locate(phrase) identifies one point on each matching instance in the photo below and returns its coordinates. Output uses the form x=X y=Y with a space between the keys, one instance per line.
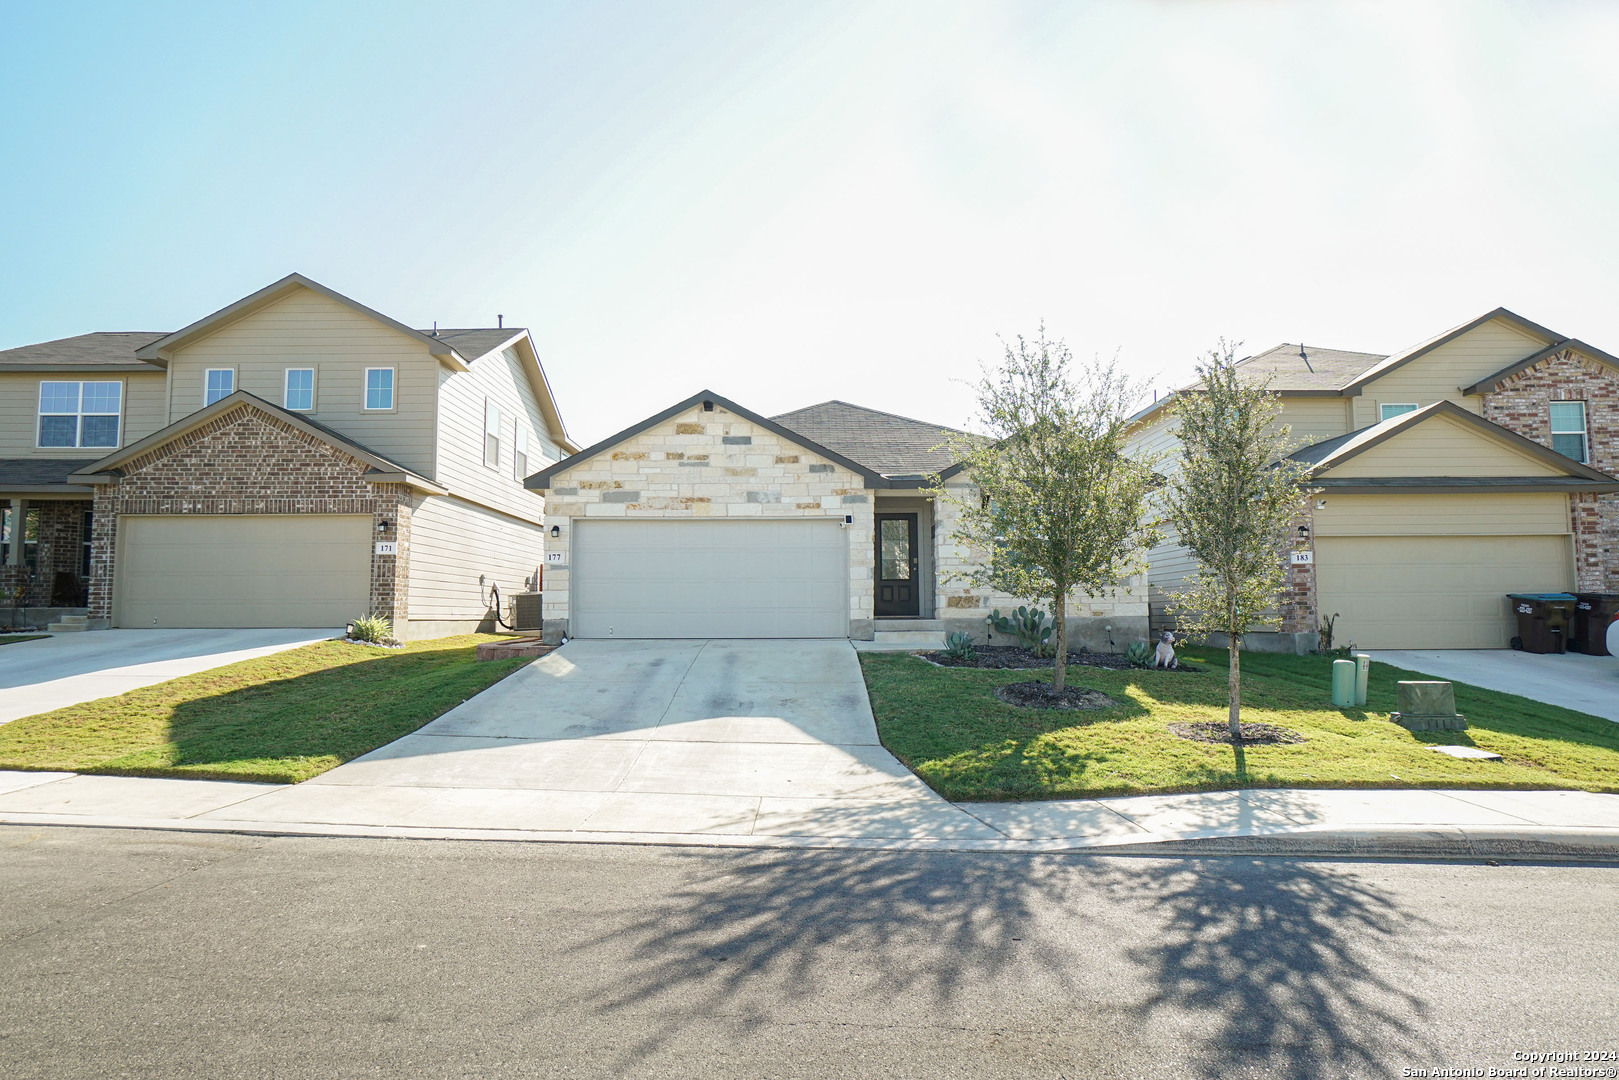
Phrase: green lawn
x=12 y=639
x=278 y=719
x=947 y=725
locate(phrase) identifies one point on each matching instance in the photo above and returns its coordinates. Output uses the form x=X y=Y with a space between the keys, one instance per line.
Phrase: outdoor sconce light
x=383 y=525
x=556 y=530
x=1304 y=531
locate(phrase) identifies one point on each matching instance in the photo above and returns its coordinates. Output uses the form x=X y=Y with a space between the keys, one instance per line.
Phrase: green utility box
x=1343 y=684
x=1363 y=676
x=1427 y=706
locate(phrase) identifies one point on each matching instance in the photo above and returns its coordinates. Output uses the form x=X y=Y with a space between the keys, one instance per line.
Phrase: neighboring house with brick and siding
x=1479 y=463
x=710 y=520
x=294 y=459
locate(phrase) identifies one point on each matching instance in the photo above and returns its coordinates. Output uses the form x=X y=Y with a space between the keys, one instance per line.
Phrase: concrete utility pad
x=1587 y=684
x=67 y=669
x=721 y=737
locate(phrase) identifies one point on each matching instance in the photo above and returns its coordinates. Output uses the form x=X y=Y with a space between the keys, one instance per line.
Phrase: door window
x=896 y=539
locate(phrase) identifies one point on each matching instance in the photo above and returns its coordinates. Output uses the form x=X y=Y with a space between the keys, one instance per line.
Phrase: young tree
x=1234 y=502
x=1055 y=503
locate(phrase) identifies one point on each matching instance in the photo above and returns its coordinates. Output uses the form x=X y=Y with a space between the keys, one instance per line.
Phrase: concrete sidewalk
x=1320 y=821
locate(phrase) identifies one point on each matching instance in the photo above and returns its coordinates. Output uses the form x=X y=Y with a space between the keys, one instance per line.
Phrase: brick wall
x=60 y=535
x=248 y=462
x=1522 y=402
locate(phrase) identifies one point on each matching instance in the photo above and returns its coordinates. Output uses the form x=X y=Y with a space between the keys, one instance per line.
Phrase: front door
x=897 y=594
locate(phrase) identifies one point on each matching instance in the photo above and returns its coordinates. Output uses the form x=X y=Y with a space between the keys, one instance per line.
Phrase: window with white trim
x=80 y=413
x=1389 y=412
x=379 y=388
x=298 y=393
x=520 y=453
x=1568 y=429
x=218 y=383
x=491 y=434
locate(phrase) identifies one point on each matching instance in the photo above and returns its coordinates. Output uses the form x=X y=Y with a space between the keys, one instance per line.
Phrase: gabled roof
x=1400 y=359
x=888 y=444
x=477 y=342
x=383 y=469
x=1491 y=382
x=158 y=352
x=541 y=480
x=86 y=352
x=1324 y=456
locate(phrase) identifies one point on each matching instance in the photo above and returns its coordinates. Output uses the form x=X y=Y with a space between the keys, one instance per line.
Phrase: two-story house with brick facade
x=294 y=459
x=1478 y=463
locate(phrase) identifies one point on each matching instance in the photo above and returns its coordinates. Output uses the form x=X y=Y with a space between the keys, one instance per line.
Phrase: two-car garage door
x=242 y=570
x=696 y=579
x=1434 y=592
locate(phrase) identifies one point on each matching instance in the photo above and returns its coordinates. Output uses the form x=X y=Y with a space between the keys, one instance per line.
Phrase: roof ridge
x=877 y=412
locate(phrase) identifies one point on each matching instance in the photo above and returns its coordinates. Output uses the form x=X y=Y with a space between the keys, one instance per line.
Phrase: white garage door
x=1434 y=592
x=695 y=579
x=254 y=570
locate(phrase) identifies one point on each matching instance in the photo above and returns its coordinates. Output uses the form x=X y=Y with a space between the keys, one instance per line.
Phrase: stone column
x=19 y=524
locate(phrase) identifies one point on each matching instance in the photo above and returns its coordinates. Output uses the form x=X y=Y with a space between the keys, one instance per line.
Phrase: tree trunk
x=1059 y=617
x=1234 y=676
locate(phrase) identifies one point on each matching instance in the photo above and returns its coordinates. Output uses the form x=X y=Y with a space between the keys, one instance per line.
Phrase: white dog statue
x=1164 y=657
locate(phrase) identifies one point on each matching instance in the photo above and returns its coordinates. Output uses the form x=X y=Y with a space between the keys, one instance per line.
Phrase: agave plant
x=1139 y=653
x=959 y=646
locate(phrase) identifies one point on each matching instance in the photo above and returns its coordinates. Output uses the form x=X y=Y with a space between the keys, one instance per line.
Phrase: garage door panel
x=1434 y=592
x=243 y=571
x=686 y=579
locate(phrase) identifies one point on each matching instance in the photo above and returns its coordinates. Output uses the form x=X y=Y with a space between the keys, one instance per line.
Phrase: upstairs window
x=299 y=395
x=1389 y=412
x=520 y=453
x=79 y=413
x=1568 y=429
x=491 y=434
x=379 y=388
x=218 y=383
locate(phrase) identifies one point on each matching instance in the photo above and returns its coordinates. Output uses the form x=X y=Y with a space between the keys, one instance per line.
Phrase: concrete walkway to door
x=756 y=738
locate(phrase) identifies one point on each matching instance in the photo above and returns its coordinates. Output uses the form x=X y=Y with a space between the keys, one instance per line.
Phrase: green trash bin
x=1543 y=621
x=1594 y=612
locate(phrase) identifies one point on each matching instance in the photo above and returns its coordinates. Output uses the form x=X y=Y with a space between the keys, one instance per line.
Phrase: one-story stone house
x=1478 y=463
x=710 y=520
x=293 y=459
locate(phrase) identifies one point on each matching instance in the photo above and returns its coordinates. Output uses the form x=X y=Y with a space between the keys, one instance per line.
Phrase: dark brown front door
x=897 y=593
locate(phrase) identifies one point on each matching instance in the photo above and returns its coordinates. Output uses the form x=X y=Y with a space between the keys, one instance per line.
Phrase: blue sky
x=792 y=202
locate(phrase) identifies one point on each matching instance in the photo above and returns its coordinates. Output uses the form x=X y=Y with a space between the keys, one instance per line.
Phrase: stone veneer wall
x=708 y=464
x=1101 y=623
x=248 y=462
x=1522 y=404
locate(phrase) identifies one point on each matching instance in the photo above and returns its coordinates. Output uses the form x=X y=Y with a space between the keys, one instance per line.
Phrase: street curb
x=1529 y=842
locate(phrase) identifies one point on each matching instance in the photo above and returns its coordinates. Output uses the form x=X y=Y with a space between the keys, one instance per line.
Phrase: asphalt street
x=142 y=954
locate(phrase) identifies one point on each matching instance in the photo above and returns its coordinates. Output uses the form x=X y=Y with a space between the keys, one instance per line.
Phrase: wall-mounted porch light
x=556 y=530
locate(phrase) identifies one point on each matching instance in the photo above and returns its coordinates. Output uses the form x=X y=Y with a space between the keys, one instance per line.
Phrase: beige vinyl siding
x=1441 y=446
x=498 y=377
x=1434 y=515
x=1315 y=419
x=1441 y=374
x=452 y=544
x=19 y=410
x=305 y=329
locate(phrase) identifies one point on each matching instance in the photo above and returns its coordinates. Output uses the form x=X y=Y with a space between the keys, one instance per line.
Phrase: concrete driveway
x=1588 y=684
x=66 y=669
x=644 y=737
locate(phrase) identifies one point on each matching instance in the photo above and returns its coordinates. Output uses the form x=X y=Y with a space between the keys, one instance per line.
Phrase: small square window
x=300 y=389
x=379 y=388
x=1568 y=429
x=218 y=383
x=1389 y=412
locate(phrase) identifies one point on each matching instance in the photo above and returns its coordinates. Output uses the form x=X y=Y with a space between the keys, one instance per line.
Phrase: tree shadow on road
x=1236 y=963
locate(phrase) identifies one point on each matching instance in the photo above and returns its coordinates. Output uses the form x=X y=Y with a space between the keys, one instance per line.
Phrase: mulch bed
x=1017 y=658
x=1218 y=731
x=1039 y=695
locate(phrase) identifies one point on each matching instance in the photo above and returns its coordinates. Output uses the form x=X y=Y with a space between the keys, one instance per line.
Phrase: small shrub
x=374 y=629
x=1028 y=625
x=959 y=646
x=1139 y=654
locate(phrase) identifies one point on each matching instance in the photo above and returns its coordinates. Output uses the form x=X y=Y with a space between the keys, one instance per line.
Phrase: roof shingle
x=887 y=444
x=86 y=350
